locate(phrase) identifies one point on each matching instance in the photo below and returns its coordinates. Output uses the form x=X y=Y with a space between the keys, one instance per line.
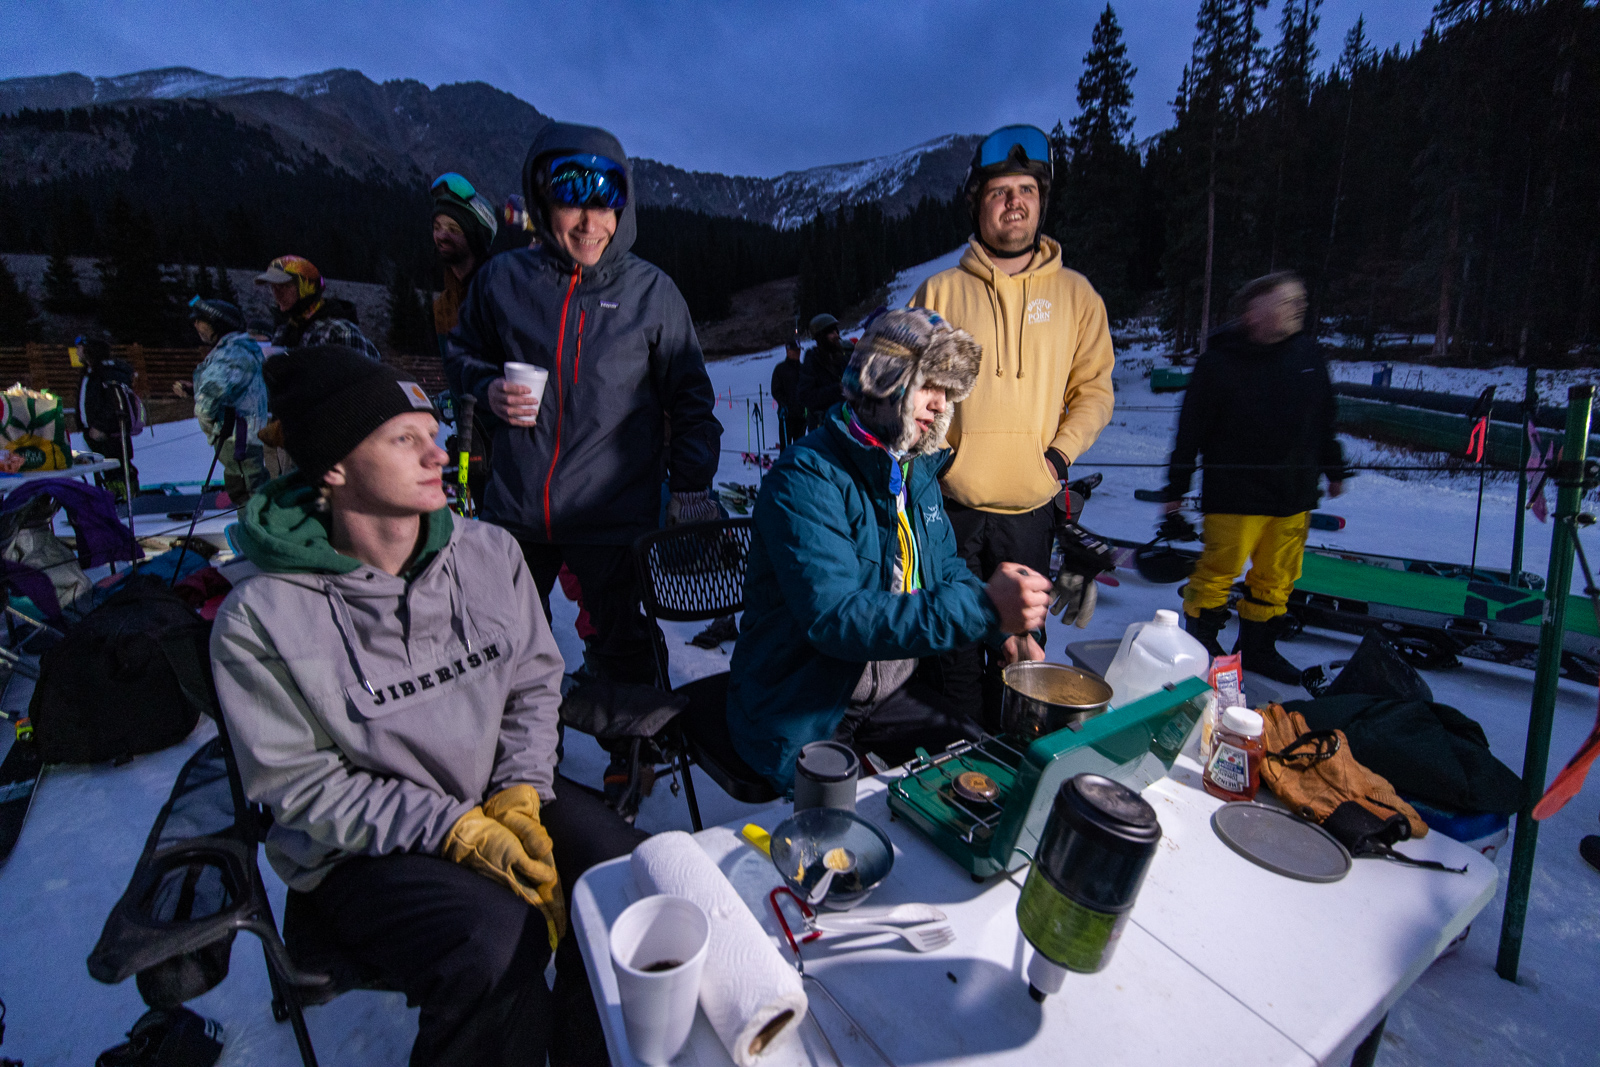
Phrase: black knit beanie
x=328 y=398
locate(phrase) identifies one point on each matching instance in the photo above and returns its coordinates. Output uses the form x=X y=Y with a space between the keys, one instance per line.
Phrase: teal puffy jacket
x=817 y=599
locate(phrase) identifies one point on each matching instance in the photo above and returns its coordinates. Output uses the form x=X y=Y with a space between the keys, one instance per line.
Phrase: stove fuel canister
x=1093 y=856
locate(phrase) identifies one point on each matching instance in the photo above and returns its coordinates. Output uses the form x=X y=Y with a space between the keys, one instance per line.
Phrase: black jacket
x=1269 y=406
x=820 y=374
x=623 y=361
x=786 y=385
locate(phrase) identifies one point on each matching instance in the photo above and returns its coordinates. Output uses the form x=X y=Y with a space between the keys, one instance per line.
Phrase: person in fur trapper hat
x=902 y=353
x=852 y=574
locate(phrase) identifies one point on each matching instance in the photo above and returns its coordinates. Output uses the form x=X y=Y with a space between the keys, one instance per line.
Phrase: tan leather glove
x=483 y=844
x=516 y=807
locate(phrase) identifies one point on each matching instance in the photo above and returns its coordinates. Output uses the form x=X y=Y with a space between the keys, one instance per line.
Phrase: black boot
x=1206 y=626
x=1256 y=644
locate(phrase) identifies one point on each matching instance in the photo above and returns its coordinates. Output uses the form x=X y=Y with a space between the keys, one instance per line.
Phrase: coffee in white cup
x=658 y=951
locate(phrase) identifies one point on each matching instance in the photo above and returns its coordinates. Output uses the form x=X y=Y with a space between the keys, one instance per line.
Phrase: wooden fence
x=40 y=366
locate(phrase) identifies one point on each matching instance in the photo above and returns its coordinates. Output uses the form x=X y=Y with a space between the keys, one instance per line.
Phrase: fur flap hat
x=901 y=352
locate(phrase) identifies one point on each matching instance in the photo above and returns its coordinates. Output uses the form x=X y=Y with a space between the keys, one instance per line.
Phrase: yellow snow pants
x=1274 y=546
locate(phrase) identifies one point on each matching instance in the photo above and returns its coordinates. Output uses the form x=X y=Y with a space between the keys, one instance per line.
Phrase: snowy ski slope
x=89 y=823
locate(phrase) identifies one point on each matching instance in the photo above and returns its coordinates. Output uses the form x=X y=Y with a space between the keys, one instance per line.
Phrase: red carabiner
x=805 y=913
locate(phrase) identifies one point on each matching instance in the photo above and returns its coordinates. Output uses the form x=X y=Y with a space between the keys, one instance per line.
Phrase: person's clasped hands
x=1021 y=597
x=503 y=840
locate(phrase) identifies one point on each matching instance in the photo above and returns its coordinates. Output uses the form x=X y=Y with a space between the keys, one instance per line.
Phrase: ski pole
x=216 y=457
x=127 y=475
x=466 y=409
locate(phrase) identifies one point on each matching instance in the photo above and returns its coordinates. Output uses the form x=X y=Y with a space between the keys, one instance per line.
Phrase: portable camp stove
x=985 y=802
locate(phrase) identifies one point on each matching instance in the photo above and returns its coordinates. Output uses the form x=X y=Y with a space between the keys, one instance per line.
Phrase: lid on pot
x=827 y=761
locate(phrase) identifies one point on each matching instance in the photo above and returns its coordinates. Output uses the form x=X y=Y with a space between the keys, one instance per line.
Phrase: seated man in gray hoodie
x=392 y=690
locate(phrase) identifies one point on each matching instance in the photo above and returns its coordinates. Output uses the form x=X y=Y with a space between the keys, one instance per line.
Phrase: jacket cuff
x=1058 y=462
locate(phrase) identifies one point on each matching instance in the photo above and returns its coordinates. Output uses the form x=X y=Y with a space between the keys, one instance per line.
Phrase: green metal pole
x=1530 y=403
x=1569 y=476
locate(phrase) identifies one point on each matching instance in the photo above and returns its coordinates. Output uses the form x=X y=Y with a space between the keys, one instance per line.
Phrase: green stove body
x=1135 y=745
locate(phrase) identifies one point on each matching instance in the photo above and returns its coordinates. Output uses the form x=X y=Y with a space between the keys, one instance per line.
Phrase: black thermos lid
x=1098 y=842
x=827 y=761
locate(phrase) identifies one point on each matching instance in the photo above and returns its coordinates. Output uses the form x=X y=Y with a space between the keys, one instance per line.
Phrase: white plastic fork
x=924 y=938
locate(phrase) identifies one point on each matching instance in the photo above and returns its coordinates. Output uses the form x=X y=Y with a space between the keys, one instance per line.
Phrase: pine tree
x=62 y=292
x=204 y=287
x=1099 y=172
x=410 y=321
x=135 y=301
x=17 y=316
x=224 y=287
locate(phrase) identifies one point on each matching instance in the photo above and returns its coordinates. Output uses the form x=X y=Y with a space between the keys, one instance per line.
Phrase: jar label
x=1229 y=769
x=1078 y=938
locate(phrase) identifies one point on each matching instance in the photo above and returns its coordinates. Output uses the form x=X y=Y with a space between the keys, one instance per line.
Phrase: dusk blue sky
x=741 y=88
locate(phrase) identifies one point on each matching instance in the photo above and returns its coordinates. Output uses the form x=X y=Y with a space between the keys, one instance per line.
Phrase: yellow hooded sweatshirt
x=1044 y=381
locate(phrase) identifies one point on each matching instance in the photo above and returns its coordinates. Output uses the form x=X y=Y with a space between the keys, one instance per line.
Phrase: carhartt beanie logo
x=328 y=398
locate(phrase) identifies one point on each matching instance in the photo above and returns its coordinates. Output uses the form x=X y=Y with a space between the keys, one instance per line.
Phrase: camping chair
x=197 y=884
x=692 y=573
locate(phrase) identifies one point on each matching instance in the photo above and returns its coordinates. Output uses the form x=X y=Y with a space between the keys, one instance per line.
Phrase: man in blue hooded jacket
x=576 y=473
x=853 y=574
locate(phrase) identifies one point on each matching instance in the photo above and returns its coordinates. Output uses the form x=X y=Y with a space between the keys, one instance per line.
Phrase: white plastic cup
x=534 y=378
x=658 y=1002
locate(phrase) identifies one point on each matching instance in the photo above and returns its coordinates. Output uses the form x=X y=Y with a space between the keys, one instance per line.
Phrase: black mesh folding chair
x=692 y=573
x=197 y=884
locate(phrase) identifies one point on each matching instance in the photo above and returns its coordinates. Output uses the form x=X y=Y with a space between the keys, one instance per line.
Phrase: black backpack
x=113 y=687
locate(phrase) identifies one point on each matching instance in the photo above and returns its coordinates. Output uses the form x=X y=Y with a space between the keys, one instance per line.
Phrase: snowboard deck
x=19 y=780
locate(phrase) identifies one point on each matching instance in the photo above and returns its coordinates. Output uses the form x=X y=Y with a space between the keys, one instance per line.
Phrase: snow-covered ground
x=88 y=823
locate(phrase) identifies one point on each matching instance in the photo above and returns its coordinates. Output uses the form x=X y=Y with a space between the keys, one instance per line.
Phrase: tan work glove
x=482 y=844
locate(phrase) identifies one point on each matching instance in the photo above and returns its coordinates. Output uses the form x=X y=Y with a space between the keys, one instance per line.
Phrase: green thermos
x=1093 y=856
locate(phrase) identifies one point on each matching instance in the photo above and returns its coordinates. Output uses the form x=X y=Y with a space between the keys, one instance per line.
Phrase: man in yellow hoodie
x=1043 y=392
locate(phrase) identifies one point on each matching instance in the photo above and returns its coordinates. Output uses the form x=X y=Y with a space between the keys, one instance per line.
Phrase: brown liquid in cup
x=661 y=965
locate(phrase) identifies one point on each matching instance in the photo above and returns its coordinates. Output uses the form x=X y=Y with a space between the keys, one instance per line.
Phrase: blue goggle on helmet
x=455 y=185
x=1029 y=142
x=585 y=180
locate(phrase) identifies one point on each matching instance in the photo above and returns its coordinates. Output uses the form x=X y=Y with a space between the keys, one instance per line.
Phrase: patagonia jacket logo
x=423 y=685
x=1038 y=310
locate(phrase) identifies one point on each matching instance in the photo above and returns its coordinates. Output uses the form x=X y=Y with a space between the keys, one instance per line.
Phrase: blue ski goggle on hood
x=998 y=146
x=586 y=180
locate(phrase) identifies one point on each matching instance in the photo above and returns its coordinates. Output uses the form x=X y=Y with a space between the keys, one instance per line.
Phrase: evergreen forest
x=1450 y=190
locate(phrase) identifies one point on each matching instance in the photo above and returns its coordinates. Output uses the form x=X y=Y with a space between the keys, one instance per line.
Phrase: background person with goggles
x=1042 y=396
x=576 y=473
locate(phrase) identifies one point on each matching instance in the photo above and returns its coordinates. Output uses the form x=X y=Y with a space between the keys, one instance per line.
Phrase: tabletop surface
x=1221 y=959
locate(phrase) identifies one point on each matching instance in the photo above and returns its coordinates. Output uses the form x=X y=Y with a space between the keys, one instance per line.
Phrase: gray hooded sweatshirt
x=368 y=712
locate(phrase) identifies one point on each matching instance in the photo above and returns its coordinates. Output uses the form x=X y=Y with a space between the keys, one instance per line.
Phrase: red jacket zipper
x=561 y=344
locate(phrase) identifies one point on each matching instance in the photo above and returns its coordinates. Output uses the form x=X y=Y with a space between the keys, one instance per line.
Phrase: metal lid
x=1281 y=842
x=827 y=761
x=1108 y=809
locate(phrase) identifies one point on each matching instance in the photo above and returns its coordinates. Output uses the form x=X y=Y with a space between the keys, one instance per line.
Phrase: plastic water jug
x=1151 y=655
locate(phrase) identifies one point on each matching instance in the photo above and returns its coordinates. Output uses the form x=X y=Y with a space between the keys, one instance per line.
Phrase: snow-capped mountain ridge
x=403 y=126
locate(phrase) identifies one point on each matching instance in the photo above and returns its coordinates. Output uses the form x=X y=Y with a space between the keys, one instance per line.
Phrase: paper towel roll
x=752 y=996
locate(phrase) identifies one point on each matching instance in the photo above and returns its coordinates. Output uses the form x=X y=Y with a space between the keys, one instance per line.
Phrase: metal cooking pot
x=1041 y=698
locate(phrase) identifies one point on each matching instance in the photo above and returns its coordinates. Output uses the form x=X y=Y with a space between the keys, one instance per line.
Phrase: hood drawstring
x=458 y=603
x=1022 y=324
x=994 y=310
x=347 y=630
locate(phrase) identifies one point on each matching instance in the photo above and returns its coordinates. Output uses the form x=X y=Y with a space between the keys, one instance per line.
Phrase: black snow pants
x=471 y=953
x=970 y=676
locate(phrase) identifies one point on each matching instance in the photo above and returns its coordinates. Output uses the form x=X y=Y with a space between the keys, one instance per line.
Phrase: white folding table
x=1221 y=962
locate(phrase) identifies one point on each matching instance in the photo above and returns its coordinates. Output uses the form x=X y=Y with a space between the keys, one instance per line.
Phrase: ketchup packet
x=1227 y=678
